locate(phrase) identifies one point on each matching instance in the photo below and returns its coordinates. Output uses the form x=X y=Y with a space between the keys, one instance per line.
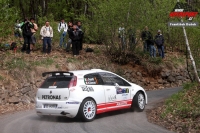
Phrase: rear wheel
x=138 y=102
x=88 y=110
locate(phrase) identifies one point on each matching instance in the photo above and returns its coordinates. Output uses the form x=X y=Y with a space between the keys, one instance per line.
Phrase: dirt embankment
x=20 y=74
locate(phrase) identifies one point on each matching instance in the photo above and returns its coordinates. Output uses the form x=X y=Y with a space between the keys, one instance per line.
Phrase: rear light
x=73 y=82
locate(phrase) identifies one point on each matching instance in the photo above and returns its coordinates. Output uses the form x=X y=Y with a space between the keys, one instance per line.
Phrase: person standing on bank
x=121 y=32
x=75 y=36
x=33 y=30
x=70 y=29
x=146 y=37
x=79 y=24
x=47 y=34
x=62 y=29
x=26 y=32
x=159 y=41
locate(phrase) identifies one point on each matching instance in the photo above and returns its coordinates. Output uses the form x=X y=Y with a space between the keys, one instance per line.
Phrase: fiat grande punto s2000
x=86 y=93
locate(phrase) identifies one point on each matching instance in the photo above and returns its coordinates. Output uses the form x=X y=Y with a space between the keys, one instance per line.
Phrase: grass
x=1 y=77
x=157 y=60
x=178 y=60
x=71 y=60
x=16 y=63
x=185 y=104
x=21 y=63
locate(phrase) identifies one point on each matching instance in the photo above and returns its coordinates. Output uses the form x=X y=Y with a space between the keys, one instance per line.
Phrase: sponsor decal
x=57 y=97
x=125 y=94
x=87 y=88
x=122 y=90
x=91 y=81
x=112 y=98
x=72 y=102
x=121 y=103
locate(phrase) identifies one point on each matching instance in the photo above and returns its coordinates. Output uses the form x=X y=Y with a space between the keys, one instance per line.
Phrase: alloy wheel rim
x=89 y=109
x=141 y=101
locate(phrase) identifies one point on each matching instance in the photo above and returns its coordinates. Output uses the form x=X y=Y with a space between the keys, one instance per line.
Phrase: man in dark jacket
x=159 y=40
x=26 y=32
x=79 y=25
x=146 y=37
x=132 y=38
x=75 y=36
x=69 y=30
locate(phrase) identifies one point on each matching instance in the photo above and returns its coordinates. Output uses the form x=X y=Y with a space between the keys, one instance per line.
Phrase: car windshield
x=56 y=82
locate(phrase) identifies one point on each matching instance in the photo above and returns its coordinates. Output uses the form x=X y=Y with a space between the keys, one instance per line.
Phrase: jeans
x=152 y=51
x=62 y=39
x=161 y=51
x=145 y=46
x=47 y=43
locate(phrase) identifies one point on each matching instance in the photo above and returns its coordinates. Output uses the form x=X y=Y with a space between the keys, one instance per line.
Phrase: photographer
x=26 y=32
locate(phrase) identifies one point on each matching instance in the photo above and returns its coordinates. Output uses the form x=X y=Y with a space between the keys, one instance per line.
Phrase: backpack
x=89 y=50
x=60 y=25
x=26 y=28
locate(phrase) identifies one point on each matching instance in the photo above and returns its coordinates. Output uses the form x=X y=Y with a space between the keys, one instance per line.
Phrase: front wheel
x=88 y=110
x=138 y=102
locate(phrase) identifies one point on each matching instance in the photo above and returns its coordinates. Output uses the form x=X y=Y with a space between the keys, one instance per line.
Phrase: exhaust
x=64 y=113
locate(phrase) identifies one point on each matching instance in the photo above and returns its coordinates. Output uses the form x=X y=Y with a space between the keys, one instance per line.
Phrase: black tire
x=138 y=103
x=87 y=110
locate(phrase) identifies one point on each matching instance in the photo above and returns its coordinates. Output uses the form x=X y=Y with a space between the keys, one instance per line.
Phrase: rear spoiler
x=55 y=73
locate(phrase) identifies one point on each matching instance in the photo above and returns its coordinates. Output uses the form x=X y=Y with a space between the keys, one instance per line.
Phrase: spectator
x=152 y=49
x=26 y=31
x=75 y=35
x=18 y=30
x=47 y=34
x=146 y=37
x=33 y=30
x=70 y=29
x=62 y=28
x=132 y=38
x=159 y=40
x=79 y=24
x=121 y=32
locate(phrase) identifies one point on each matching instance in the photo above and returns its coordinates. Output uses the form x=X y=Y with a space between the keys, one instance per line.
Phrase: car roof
x=83 y=72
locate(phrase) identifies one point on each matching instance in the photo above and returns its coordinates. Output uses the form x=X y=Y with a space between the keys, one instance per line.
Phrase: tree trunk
x=22 y=9
x=190 y=54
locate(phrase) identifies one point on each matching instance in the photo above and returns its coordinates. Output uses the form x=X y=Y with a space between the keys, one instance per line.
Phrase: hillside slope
x=20 y=73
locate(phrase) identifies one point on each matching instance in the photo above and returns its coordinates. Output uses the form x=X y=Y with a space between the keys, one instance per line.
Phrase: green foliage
x=184 y=104
x=156 y=61
x=8 y=16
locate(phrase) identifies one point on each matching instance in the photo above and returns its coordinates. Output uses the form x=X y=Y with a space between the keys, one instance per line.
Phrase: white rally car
x=86 y=93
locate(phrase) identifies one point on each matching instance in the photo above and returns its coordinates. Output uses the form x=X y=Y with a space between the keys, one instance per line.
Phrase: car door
x=116 y=91
x=94 y=83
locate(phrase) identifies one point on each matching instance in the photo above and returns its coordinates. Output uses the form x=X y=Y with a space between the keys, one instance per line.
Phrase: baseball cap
x=159 y=30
